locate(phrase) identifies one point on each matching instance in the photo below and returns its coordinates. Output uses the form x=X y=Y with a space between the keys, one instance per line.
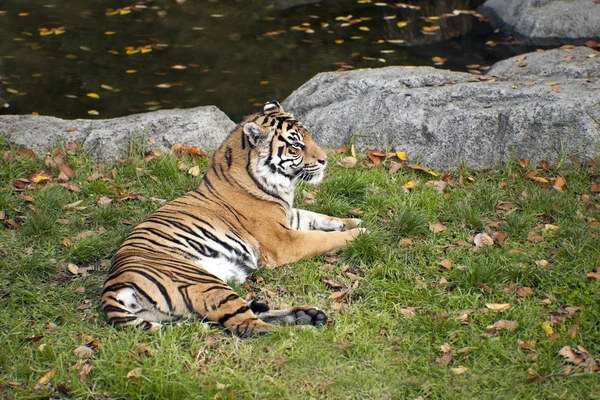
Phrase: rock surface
x=108 y=140
x=578 y=63
x=545 y=22
x=444 y=118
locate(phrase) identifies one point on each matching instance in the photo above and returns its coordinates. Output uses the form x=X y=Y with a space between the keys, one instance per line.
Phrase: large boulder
x=578 y=63
x=445 y=118
x=545 y=22
x=109 y=139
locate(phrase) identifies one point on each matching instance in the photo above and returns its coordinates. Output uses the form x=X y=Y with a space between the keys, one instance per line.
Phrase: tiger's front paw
x=309 y=316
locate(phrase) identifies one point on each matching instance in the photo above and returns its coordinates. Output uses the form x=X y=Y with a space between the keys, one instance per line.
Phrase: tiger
x=176 y=265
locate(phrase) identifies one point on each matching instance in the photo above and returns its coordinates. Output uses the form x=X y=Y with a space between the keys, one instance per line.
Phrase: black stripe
x=227 y=317
x=113 y=309
x=122 y=320
x=152 y=279
x=232 y=296
x=228 y=156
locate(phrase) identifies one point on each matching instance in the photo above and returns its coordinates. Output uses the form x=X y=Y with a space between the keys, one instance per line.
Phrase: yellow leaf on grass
x=39 y=178
x=547 y=328
x=47 y=376
x=533 y=176
x=408 y=185
x=422 y=168
x=402 y=155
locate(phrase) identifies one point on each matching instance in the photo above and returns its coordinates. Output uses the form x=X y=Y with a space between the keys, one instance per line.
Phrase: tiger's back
x=175 y=265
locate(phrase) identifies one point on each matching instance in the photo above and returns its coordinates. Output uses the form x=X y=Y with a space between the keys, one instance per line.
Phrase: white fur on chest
x=223 y=269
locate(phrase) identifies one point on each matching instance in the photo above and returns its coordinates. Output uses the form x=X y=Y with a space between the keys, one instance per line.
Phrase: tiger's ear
x=272 y=107
x=256 y=135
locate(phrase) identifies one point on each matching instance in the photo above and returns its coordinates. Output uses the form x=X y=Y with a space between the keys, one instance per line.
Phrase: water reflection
x=109 y=58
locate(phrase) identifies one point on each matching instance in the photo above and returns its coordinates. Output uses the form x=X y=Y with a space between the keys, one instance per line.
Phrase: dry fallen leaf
x=533 y=176
x=594 y=274
x=499 y=237
x=444 y=359
x=483 y=240
x=194 y=171
x=376 y=156
x=447 y=264
x=134 y=374
x=458 y=371
x=84 y=371
x=47 y=376
x=421 y=168
x=437 y=227
x=498 y=307
x=535 y=238
x=83 y=352
x=338 y=296
x=348 y=162
x=408 y=312
x=559 y=182
x=524 y=291
x=503 y=325
x=74 y=269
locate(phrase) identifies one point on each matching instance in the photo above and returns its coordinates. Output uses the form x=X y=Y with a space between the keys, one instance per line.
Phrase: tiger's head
x=286 y=152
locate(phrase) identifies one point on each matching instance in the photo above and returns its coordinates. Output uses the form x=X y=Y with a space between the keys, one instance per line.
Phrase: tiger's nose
x=322 y=161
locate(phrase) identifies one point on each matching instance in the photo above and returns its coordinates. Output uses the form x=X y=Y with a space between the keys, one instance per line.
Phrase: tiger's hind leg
x=219 y=303
x=302 y=315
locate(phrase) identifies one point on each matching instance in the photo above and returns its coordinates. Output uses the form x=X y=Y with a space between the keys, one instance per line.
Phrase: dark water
x=109 y=58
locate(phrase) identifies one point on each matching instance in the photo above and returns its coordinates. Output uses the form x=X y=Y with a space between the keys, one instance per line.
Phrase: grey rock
x=580 y=62
x=108 y=140
x=443 y=118
x=545 y=22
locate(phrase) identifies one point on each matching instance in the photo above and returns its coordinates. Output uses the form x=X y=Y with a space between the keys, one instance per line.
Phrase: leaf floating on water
x=93 y=112
x=93 y=95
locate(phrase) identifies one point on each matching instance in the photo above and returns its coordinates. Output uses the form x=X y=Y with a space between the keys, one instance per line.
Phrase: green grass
x=374 y=348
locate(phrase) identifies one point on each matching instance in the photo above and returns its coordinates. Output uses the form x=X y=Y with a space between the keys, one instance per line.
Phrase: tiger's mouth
x=312 y=174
